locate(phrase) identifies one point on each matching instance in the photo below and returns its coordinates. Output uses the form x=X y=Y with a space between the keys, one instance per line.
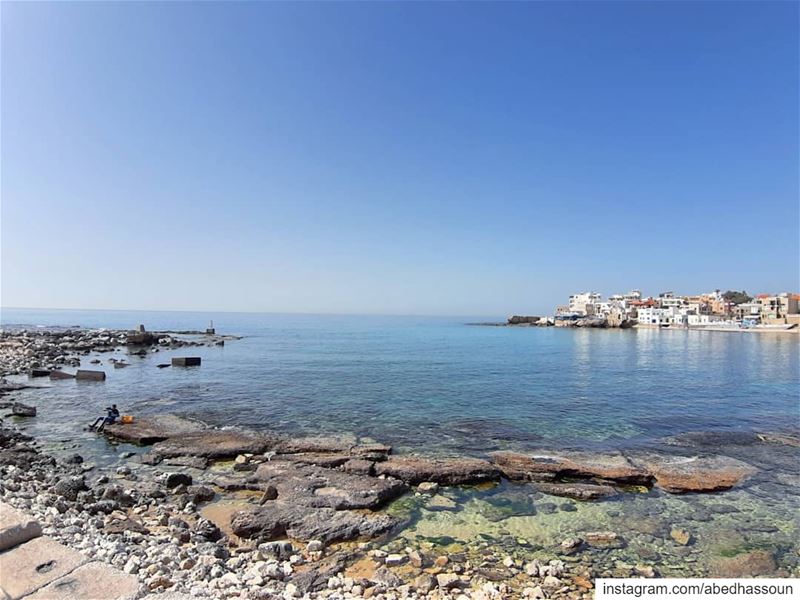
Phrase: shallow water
x=436 y=385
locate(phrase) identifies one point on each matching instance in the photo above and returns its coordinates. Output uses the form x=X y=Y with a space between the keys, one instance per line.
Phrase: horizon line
x=251 y=312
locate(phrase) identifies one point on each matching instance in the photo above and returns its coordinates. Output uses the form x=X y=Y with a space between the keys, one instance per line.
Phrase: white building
x=661 y=316
x=585 y=303
x=700 y=319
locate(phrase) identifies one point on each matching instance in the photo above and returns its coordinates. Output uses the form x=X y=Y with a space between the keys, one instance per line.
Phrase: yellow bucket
x=126 y=419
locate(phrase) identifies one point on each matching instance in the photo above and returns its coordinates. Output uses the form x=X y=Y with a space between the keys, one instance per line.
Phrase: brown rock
x=750 y=564
x=214 y=444
x=281 y=519
x=314 y=486
x=678 y=474
x=578 y=491
x=446 y=471
x=149 y=430
x=614 y=467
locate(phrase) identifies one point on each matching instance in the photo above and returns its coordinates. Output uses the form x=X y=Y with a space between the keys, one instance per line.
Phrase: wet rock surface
x=448 y=471
x=152 y=429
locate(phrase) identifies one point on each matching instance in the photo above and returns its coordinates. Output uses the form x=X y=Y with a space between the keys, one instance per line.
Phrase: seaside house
x=584 y=303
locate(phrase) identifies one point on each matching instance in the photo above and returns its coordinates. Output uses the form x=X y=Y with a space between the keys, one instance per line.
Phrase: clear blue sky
x=437 y=158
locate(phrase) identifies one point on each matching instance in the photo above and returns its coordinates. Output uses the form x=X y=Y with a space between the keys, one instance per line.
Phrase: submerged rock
x=758 y=563
x=578 y=491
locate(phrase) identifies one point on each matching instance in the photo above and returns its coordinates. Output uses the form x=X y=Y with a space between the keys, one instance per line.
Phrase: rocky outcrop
x=578 y=491
x=678 y=474
x=546 y=465
x=445 y=471
x=214 y=444
x=281 y=519
x=318 y=487
x=150 y=430
x=674 y=474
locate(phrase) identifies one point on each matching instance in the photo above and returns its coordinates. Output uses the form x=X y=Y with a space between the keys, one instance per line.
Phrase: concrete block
x=34 y=564
x=186 y=361
x=16 y=527
x=61 y=375
x=91 y=581
x=88 y=375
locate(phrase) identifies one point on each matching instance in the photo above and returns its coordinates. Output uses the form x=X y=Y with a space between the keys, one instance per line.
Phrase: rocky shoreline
x=243 y=514
x=48 y=350
x=151 y=524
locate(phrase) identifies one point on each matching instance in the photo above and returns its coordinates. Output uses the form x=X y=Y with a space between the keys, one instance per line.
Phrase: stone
x=758 y=563
x=606 y=539
x=18 y=409
x=448 y=581
x=299 y=522
x=428 y=487
x=613 y=467
x=149 y=430
x=439 y=502
x=578 y=491
x=213 y=444
x=270 y=493
x=186 y=361
x=123 y=525
x=16 y=527
x=395 y=560
x=678 y=474
x=444 y=471
x=89 y=582
x=88 y=375
x=36 y=563
x=173 y=480
x=70 y=487
x=315 y=546
x=315 y=445
x=570 y=545
x=318 y=487
x=61 y=375
x=200 y=493
x=359 y=466
x=425 y=583
x=681 y=536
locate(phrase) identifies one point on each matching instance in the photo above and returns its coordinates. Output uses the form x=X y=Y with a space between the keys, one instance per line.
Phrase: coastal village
x=712 y=311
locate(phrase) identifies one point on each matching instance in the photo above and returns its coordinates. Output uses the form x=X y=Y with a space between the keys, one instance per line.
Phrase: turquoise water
x=437 y=384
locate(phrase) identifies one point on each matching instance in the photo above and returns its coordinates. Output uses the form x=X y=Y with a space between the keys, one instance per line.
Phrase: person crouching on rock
x=113 y=415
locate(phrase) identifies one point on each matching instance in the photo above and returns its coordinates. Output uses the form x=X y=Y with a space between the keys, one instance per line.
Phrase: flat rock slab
x=445 y=471
x=318 y=487
x=16 y=527
x=532 y=466
x=679 y=474
x=91 y=581
x=150 y=430
x=578 y=491
x=315 y=444
x=214 y=444
x=34 y=564
x=278 y=520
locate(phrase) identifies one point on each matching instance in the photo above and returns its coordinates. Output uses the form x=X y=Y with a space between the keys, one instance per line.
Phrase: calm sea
x=437 y=384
